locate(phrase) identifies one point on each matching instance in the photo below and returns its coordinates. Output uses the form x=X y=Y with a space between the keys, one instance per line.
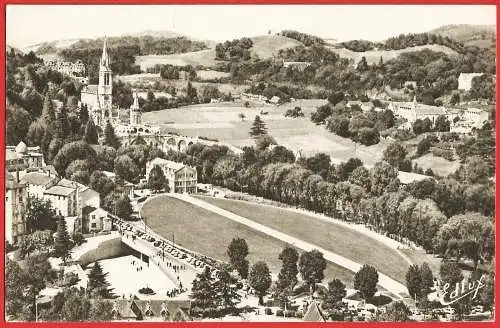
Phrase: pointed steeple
x=105 y=57
x=135 y=105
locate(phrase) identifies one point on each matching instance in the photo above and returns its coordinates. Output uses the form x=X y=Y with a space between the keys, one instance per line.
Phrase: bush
x=289 y=314
x=299 y=314
x=78 y=238
x=146 y=291
x=268 y=303
x=268 y=311
x=279 y=313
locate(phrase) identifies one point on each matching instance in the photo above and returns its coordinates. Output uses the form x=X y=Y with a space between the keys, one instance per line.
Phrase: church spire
x=105 y=57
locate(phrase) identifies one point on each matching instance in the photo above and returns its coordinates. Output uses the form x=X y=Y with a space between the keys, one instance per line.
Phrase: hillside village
x=157 y=192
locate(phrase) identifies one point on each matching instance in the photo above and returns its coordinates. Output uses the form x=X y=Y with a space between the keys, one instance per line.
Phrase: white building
x=98 y=220
x=37 y=183
x=63 y=199
x=475 y=115
x=411 y=111
x=465 y=80
x=181 y=178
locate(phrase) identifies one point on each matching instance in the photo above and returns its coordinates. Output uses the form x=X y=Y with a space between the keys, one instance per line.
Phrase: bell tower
x=135 y=112
x=105 y=87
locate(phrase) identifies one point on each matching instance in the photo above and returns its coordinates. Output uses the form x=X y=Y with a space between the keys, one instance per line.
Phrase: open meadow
x=221 y=121
x=328 y=235
x=208 y=233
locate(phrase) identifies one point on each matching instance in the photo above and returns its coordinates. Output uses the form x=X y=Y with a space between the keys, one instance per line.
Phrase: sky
x=31 y=24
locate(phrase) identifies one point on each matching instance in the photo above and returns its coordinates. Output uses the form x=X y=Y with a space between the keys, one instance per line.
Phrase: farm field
x=202 y=231
x=221 y=121
x=330 y=236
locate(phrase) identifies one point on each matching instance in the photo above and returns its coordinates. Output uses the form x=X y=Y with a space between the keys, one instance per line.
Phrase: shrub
x=299 y=314
x=146 y=291
x=78 y=238
x=279 y=313
x=268 y=311
x=289 y=314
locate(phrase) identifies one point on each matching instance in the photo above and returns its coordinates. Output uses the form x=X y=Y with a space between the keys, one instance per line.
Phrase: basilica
x=98 y=97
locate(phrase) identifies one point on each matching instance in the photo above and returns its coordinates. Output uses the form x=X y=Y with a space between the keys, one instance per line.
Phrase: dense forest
x=238 y=49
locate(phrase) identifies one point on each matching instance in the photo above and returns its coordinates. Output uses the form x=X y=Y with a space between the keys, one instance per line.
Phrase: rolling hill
x=477 y=35
x=373 y=56
x=268 y=45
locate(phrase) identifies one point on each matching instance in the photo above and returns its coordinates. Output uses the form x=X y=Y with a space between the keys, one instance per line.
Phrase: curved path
x=386 y=282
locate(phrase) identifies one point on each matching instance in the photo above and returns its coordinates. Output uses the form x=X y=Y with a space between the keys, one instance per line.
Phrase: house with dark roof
x=151 y=310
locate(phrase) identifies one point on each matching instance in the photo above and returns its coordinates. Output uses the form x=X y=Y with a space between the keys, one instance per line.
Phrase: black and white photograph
x=250 y=163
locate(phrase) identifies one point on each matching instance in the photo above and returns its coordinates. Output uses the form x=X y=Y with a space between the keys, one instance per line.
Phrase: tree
x=97 y=284
x=48 y=114
x=90 y=136
x=487 y=293
x=77 y=150
x=126 y=168
x=110 y=138
x=312 y=266
x=333 y=297
x=202 y=293
x=40 y=215
x=237 y=251
x=62 y=124
x=37 y=241
x=157 y=180
x=442 y=124
x=396 y=312
x=368 y=136
x=287 y=277
x=384 y=177
x=427 y=279
x=450 y=273
x=365 y=281
x=395 y=154
x=14 y=289
x=476 y=170
x=101 y=310
x=123 y=207
x=62 y=243
x=258 y=127
x=191 y=93
x=76 y=306
x=225 y=290
x=260 y=279
x=414 y=281
x=101 y=183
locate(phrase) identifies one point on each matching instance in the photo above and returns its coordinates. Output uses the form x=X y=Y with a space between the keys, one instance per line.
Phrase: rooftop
x=60 y=191
x=408 y=177
x=164 y=162
x=37 y=179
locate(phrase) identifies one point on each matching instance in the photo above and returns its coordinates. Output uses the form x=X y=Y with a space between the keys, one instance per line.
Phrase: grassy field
x=341 y=240
x=267 y=46
x=203 y=231
x=439 y=165
x=373 y=56
x=221 y=121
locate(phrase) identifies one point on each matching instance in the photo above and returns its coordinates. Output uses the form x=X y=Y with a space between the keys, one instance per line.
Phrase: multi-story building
x=37 y=183
x=15 y=207
x=63 y=199
x=412 y=111
x=181 y=178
